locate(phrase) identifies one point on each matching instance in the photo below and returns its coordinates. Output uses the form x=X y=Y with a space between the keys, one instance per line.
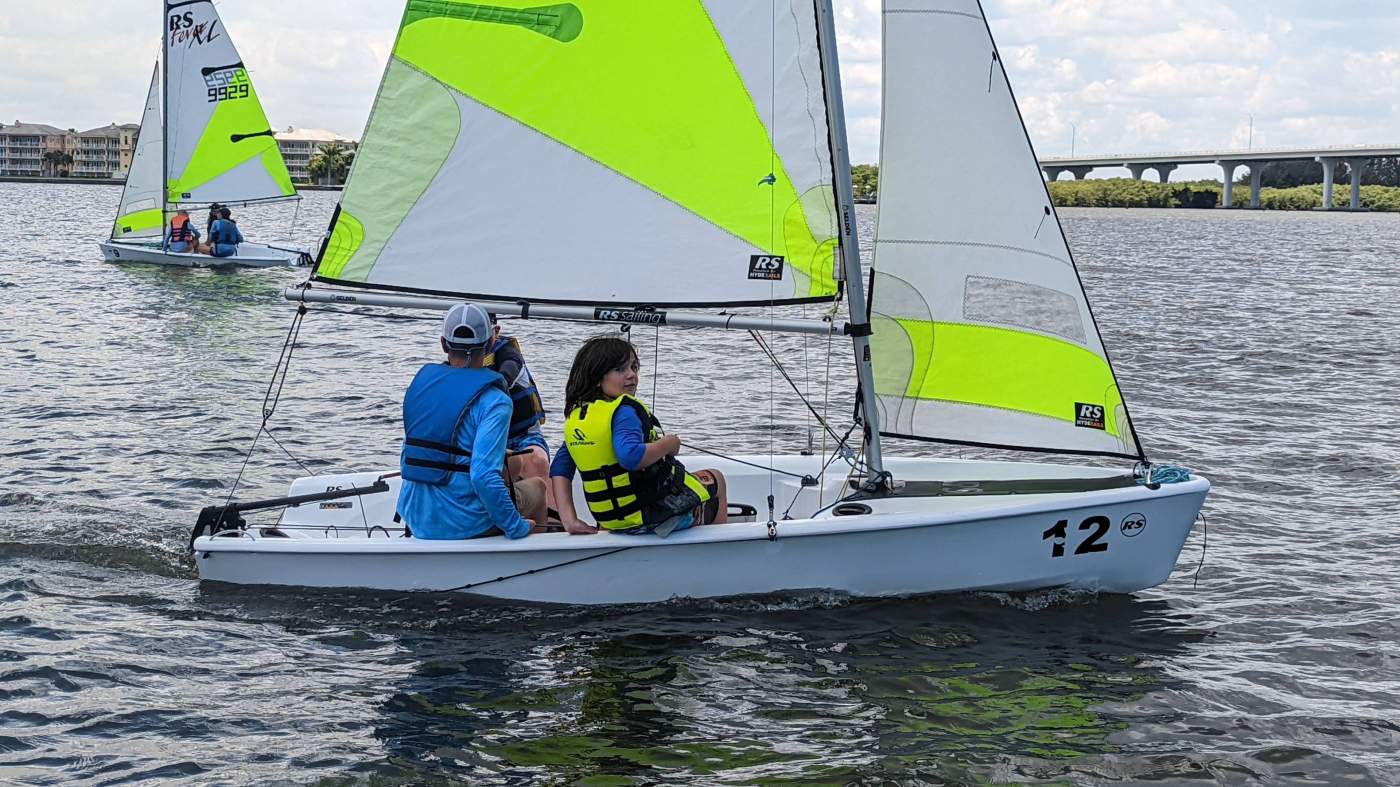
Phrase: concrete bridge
x=1231 y=160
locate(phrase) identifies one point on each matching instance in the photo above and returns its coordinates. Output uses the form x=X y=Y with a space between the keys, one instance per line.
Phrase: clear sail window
x=1015 y=303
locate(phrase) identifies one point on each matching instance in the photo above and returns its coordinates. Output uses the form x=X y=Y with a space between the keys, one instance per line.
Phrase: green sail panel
x=219 y=144
x=601 y=152
x=983 y=334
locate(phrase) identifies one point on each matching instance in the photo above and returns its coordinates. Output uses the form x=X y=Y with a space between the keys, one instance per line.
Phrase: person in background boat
x=456 y=416
x=181 y=237
x=213 y=217
x=527 y=452
x=631 y=478
x=224 y=236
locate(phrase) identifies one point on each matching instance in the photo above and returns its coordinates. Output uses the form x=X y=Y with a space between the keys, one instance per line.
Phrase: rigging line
x=834 y=456
x=826 y=414
x=771 y=470
x=774 y=359
x=1205 y=538
x=274 y=439
x=471 y=585
x=288 y=348
x=807 y=379
x=296 y=214
x=655 y=366
x=285 y=355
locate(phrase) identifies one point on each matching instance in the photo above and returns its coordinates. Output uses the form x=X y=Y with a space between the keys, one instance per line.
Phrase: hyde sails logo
x=185 y=31
x=1089 y=416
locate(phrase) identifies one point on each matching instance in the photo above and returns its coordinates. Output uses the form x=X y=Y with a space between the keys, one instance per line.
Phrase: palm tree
x=330 y=164
x=54 y=159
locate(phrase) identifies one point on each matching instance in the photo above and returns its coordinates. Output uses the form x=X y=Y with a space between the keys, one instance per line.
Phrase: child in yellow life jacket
x=631 y=478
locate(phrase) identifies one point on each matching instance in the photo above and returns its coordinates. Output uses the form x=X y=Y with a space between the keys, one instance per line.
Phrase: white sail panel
x=219 y=147
x=983 y=334
x=141 y=212
x=517 y=149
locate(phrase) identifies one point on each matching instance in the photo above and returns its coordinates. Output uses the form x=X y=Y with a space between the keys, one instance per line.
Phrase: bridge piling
x=1227 y=200
x=1356 y=165
x=1329 y=172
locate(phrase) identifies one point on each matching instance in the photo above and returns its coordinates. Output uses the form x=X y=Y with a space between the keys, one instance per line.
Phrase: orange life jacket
x=180 y=230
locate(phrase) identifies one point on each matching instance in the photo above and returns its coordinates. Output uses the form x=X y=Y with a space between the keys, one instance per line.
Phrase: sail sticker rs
x=766 y=267
x=1133 y=524
x=1088 y=415
x=185 y=30
x=631 y=316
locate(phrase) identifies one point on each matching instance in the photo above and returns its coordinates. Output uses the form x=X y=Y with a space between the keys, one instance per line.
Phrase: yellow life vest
x=620 y=498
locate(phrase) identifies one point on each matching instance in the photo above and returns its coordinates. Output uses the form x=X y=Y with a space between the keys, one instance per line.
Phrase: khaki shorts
x=528 y=494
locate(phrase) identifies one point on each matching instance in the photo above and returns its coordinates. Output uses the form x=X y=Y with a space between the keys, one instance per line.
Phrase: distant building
x=23 y=145
x=299 y=146
x=99 y=153
x=105 y=152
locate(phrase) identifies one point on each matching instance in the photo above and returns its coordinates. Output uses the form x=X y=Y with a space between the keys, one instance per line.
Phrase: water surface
x=1256 y=348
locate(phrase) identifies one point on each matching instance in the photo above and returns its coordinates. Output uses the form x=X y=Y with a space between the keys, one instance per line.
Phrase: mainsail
x=219 y=146
x=140 y=213
x=596 y=151
x=982 y=332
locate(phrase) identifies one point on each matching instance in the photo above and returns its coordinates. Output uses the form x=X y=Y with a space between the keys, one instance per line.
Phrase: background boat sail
x=209 y=142
x=694 y=155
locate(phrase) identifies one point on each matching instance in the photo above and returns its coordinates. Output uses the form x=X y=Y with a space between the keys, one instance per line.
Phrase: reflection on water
x=774 y=692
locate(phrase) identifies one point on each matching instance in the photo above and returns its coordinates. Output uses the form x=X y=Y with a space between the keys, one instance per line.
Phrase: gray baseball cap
x=466 y=327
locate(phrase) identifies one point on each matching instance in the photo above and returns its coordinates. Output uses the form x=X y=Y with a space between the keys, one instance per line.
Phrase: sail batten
x=983 y=335
x=682 y=147
x=219 y=144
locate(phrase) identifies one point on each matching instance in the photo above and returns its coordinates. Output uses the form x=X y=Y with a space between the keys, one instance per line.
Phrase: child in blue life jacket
x=224 y=236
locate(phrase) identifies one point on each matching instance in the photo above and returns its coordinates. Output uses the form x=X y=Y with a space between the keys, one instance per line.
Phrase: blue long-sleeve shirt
x=629 y=444
x=469 y=504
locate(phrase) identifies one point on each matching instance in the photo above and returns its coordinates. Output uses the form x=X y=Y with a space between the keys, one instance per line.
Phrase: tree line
x=1285 y=185
x=1287 y=174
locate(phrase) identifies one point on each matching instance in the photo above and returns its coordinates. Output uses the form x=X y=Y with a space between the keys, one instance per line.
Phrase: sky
x=1095 y=76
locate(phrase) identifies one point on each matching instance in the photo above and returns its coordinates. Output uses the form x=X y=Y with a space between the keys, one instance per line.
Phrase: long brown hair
x=594 y=360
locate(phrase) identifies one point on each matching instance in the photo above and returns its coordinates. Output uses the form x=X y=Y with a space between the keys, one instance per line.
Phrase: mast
x=164 y=115
x=850 y=245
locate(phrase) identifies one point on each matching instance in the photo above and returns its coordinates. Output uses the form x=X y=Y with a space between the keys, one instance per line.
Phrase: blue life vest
x=527 y=407
x=222 y=232
x=434 y=407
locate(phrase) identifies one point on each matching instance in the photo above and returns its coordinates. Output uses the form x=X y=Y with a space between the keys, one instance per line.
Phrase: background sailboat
x=208 y=141
x=695 y=155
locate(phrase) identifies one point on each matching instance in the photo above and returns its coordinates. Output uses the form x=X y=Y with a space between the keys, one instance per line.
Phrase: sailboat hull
x=250 y=255
x=1117 y=540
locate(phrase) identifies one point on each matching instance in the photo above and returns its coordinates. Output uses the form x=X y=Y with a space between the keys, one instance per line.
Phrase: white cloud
x=1175 y=74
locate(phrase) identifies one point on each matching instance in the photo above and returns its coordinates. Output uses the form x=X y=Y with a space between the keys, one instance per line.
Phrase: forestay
x=220 y=146
x=595 y=151
x=140 y=213
x=982 y=331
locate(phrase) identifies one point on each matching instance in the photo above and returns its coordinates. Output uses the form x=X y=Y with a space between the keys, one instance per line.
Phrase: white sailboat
x=647 y=166
x=209 y=142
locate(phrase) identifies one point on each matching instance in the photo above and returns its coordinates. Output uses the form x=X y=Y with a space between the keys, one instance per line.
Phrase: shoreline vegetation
x=1129 y=193
x=1289 y=194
